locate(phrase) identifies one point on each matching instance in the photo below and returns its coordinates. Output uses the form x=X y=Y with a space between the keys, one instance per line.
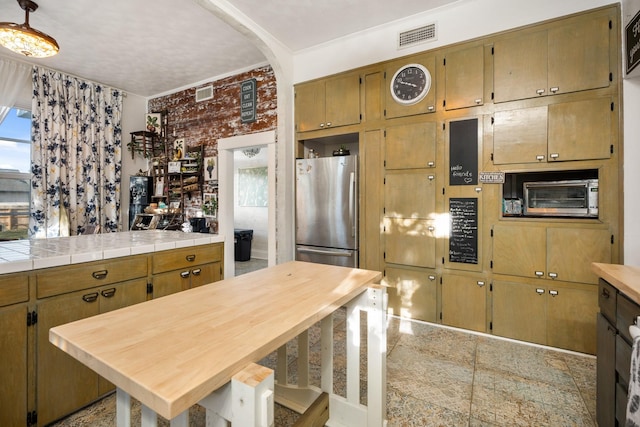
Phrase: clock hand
x=407 y=83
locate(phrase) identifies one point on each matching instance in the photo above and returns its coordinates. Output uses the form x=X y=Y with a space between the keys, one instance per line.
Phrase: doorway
x=263 y=142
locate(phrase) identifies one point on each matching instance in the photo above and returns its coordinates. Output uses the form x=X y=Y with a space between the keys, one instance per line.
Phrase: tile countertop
x=625 y=278
x=32 y=254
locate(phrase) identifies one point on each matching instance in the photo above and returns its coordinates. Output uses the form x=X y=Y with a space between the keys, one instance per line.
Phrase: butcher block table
x=173 y=352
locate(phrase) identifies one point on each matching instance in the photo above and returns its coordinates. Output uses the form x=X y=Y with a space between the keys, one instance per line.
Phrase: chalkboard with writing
x=463 y=152
x=463 y=241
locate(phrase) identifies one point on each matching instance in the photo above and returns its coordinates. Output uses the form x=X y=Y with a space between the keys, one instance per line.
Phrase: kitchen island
x=193 y=343
x=49 y=282
x=619 y=301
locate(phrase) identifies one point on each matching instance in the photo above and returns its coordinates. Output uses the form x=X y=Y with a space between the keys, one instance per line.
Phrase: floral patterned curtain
x=76 y=155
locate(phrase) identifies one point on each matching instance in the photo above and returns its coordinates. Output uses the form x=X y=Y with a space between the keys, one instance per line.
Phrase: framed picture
x=210 y=169
x=210 y=204
x=178 y=148
x=154 y=123
x=174 y=167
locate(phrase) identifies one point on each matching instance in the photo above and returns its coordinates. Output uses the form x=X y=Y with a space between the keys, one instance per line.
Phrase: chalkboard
x=463 y=152
x=463 y=242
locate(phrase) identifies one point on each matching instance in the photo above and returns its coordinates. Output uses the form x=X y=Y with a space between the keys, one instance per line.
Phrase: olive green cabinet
x=394 y=109
x=560 y=59
x=412 y=292
x=464 y=301
x=411 y=146
x=464 y=77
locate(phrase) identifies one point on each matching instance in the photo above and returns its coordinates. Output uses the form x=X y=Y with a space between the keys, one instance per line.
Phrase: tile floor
x=438 y=376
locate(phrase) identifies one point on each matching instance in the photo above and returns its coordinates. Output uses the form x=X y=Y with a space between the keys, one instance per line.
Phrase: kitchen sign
x=248 y=101
x=491 y=177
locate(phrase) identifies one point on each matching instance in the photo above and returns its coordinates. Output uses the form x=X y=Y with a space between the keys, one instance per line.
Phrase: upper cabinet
x=567 y=58
x=464 y=78
x=328 y=103
x=411 y=146
x=394 y=80
x=579 y=130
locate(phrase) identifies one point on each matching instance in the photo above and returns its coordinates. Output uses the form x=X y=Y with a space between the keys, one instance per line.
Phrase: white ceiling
x=148 y=47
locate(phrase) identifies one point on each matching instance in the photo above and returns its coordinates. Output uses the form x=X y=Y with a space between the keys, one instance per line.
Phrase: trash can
x=242 y=244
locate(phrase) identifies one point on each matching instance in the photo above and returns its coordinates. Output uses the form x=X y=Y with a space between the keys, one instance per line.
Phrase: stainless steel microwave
x=571 y=198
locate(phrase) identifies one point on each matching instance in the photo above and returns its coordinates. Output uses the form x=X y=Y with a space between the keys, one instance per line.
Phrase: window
x=15 y=174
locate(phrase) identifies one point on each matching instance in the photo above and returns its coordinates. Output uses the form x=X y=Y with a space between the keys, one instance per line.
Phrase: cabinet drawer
x=175 y=259
x=623 y=360
x=628 y=311
x=607 y=300
x=61 y=280
x=14 y=289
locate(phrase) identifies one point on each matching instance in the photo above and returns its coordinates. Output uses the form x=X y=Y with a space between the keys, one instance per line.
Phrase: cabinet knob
x=431 y=164
x=321 y=125
x=99 y=275
x=553 y=275
x=554 y=156
x=328 y=124
x=90 y=297
x=431 y=108
x=196 y=272
x=431 y=177
x=478 y=101
x=185 y=274
x=432 y=277
x=190 y=258
x=539 y=273
x=554 y=89
x=478 y=189
x=605 y=293
x=553 y=293
x=540 y=91
x=540 y=291
x=108 y=293
x=480 y=283
x=431 y=228
x=539 y=157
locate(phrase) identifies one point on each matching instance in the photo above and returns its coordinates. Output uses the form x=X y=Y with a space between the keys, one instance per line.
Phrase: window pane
x=15 y=168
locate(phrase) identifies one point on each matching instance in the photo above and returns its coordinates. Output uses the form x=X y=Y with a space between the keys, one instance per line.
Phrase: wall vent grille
x=417 y=35
x=204 y=93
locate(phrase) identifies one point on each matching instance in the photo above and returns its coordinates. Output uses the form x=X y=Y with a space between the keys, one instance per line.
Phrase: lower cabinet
x=64 y=384
x=412 y=293
x=544 y=313
x=464 y=301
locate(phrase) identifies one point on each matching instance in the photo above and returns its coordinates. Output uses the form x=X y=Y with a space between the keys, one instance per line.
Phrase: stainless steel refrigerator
x=327 y=210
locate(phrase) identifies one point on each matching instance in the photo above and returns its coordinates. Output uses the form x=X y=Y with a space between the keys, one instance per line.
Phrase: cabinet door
x=519 y=250
x=171 y=282
x=310 y=106
x=411 y=146
x=464 y=78
x=520 y=136
x=570 y=252
x=579 y=55
x=520 y=66
x=342 y=104
x=373 y=97
x=410 y=242
x=464 y=302
x=412 y=293
x=206 y=273
x=63 y=383
x=13 y=369
x=519 y=311
x=606 y=373
x=410 y=195
x=371 y=212
x=426 y=105
x=580 y=130
x=571 y=319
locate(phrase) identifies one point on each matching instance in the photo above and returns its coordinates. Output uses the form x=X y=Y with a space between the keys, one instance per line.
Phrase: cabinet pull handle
x=478 y=189
x=431 y=164
x=540 y=291
x=554 y=155
x=190 y=258
x=431 y=177
x=328 y=124
x=539 y=273
x=605 y=293
x=478 y=101
x=539 y=157
x=321 y=125
x=99 y=275
x=554 y=89
x=90 y=297
x=431 y=228
x=185 y=274
x=480 y=283
x=430 y=108
x=196 y=272
x=108 y=293
x=553 y=293
x=540 y=91
x=553 y=275
x=432 y=277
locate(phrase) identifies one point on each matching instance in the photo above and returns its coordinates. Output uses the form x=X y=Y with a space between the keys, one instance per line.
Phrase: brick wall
x=203 y=123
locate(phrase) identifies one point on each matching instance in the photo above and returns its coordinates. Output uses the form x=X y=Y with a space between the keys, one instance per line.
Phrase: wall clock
x=410 y=84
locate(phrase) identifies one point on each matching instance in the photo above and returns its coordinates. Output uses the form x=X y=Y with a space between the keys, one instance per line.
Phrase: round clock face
x=410 y=84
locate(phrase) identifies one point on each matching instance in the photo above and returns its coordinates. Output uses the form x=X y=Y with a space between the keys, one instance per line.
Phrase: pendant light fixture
x=23 y=39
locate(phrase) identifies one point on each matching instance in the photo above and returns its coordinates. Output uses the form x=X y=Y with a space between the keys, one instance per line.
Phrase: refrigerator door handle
x=305 y=249
x=352 y=203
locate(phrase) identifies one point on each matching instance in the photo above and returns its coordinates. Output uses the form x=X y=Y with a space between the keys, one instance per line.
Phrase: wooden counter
x=625 y=278
x=172 y=352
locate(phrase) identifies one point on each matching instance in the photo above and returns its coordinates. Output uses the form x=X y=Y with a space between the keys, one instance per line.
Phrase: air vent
x=417 y=35
x=204 y=93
